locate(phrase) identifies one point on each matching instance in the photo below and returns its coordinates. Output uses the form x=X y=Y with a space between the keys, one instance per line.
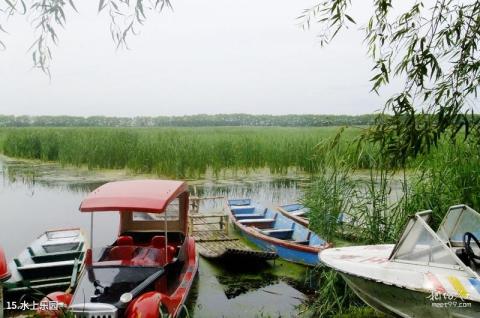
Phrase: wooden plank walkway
x=212 y=237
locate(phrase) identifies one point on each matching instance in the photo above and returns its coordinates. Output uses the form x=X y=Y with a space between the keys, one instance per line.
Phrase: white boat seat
x=277 y=230
x=45 y=265
x=242 y=207
x=55 y=247
x=243 y=216
x=247 y=221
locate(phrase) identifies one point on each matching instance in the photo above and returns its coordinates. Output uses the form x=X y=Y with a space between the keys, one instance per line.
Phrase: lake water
x=37 y=197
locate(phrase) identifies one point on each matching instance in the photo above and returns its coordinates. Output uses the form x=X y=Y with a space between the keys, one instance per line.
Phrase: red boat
x=148 y=271
x=4 y=272
x=4 y=276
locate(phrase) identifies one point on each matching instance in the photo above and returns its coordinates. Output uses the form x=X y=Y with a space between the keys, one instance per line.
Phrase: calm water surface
x=38 y=197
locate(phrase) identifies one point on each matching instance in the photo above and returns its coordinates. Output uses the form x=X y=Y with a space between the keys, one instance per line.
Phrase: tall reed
x=173 y=152
x=342 y=193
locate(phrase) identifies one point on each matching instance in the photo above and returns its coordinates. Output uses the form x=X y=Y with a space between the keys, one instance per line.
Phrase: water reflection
x=221 y=292
x=51 y=175
x=37 y=197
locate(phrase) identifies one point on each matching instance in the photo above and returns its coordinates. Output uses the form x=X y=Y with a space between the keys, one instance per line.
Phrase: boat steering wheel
x=467 y=239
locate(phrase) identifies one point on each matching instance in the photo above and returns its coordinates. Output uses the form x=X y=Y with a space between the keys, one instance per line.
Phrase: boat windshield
x=419 y=244
x=106 y=284
x=459 y=220
x=171 y=213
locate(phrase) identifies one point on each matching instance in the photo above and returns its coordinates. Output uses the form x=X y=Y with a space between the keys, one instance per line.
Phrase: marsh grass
x=173 y=152
x=338 y=191
x=333 y=297
x=447 y=177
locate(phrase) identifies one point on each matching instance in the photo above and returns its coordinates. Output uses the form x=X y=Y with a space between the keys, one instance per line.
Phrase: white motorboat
x=425 y=274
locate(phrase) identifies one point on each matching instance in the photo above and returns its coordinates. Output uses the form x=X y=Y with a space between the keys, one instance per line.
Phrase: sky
x=204 y=57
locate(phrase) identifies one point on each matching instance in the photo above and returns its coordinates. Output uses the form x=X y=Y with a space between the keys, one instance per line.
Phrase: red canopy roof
x=135 y=195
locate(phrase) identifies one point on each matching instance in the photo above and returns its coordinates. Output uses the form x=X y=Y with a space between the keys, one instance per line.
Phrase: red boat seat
x=159 y=243
x=147 y=257
x=124 y=240
x=171 y=253
x=118 y=253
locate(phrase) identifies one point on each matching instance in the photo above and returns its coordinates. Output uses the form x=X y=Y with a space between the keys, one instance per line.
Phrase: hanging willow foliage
x=46 y=16
x=433 y=47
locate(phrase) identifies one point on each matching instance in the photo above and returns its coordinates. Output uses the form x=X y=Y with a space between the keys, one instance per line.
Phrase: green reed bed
x=174 y=152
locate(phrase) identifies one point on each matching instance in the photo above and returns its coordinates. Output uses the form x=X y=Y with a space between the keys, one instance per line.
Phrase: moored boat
x=4 y=272
x=426 y=274
x=272 y=231
x=51 y=262
x=295 y=211
x=4 y=275
x=149 y=269
x=213 y=238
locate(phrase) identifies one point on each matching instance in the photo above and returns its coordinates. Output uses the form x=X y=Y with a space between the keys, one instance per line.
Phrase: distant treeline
x=187 y=121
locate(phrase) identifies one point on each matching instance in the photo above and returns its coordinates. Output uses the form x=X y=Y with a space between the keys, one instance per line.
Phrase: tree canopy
x=432 y=46
x=46 y=16
x=188 y=121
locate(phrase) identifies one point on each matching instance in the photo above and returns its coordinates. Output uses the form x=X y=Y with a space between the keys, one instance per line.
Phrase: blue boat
x=271 y=231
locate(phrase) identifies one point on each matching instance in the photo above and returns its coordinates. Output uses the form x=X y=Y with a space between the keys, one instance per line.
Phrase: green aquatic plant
x=360 y=312
x=447 y=177
x=333 y=296
x=173 y=152
x=342 y=197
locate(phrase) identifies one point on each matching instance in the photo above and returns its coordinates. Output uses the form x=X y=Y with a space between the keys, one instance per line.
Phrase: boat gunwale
x=186 y=284
x=299 y=220
x=61 y=230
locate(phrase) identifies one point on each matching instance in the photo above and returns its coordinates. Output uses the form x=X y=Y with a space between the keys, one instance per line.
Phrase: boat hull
x=402 y=302
x=288 y=253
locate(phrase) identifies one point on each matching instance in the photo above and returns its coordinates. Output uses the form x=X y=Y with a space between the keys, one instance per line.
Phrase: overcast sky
x=216 y=56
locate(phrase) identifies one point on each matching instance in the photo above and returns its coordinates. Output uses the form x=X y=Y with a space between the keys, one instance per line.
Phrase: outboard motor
x=4 y=276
